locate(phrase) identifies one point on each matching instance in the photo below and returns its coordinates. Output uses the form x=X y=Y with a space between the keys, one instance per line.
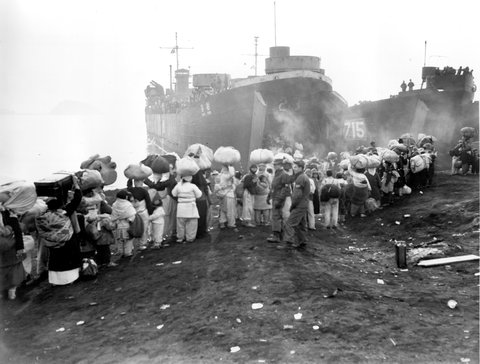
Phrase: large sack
x=203 y=155
x=287 y=158
x=90 y=178
x=187 y=167
x=359 y=161
x=392 y=143
x=137 y=171
x=297 y=155
x=374 y=161
x=104 y=165
x=227 y=155
x=259 y=156
x=467 y=131
x=390 y=156
x=17 y=196
x=160 y=165
x=331 y=155
x=344 y=164
x=417 y=164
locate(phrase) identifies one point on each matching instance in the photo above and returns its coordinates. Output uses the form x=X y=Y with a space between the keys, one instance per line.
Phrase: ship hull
x=274 y=113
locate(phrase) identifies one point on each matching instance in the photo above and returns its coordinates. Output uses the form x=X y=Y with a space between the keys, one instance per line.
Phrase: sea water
x=33 y=146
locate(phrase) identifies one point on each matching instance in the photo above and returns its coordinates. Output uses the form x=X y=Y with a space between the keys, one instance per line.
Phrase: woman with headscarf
x=123 y=214
x=56 y=228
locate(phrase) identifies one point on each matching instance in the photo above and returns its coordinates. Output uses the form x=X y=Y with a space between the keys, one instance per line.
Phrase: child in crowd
x=260 y=205
x=123 y=213
x=157 y=220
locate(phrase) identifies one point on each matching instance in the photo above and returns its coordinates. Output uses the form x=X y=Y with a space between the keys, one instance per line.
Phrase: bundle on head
x=227 y=155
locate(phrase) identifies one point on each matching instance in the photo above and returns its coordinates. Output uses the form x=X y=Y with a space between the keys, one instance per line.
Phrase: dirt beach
x=192 y=303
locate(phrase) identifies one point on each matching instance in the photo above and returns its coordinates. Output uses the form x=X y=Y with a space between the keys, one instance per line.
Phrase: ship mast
x=175 y=49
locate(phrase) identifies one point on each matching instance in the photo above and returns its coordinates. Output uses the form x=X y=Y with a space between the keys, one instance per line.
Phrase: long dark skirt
x=316 y=202
x=67 y=257
x=202 y=230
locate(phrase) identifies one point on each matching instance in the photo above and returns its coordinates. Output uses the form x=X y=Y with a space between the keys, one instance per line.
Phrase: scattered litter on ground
x=239 y=321
x=315 y=327
x=397 y=222
x=406 y=215
x=287 y=327
x=80 y=323
x=452 y=304
x=159 y=327
x=177 y=262
x=234 y=349
x=164 y=307
x=440 y=261
x=393 y=342
x=297 y=316
x=254 y=287
x=159 y=264
x=93 y=304
x=380 y=281
x=60 y=329
x=256 y=306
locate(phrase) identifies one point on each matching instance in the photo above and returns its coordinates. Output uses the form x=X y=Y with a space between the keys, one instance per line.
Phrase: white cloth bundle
x=359 y=161
x=203 y=153
x=417 y=164
x=331 y=155
x=187 y=167
x=17 y=196
x=389 y=156
x=90 y=178
x=285 y=157
x=258 y=156
x=137 y=171
x=374 y=161
x=227 y=155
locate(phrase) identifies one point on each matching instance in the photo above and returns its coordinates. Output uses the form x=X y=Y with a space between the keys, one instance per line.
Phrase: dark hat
x=253 y=166
x=123 y=194
x=300 y=163
x=54 y=204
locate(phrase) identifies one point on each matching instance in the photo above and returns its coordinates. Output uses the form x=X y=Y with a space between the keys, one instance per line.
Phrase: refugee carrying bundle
x=331 y=155
x=227 y=155
x=137 y=171
x=56 y=185
x=390 y=156
x=329 y=191
x=467 y=132
x=417 y=164
x=202 y=154
x=344 y=164
x=359 y=161
x=89 y=269
x=259 y=156
x=135 y=230
x=187 y=167
x=89 y=178
x=55 y=227
x=7 y=237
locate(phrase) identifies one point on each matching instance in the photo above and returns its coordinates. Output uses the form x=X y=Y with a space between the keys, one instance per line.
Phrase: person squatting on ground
x=249 y=191
x=187 y=213
x=296 y=222
x=123 y=213
x=278 y=195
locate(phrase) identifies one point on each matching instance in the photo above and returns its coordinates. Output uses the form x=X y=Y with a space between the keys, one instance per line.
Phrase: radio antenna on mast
x=176 y=48
x=275 y=21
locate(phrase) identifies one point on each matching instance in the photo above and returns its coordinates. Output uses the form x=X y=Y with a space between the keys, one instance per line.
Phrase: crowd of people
x=290 y=195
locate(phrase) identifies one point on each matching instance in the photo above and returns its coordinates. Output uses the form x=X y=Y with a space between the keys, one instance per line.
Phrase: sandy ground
x=192 y=303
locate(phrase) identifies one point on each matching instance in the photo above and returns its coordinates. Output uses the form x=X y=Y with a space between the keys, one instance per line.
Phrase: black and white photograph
x=271 y=181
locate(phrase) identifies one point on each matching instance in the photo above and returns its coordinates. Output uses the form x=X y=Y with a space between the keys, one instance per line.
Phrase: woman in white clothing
x=187 y=212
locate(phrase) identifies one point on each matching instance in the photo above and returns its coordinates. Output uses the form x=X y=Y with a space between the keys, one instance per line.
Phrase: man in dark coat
x=296 y=222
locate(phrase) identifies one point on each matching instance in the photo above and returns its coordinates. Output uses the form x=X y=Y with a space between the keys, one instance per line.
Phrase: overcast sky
x=104 y=53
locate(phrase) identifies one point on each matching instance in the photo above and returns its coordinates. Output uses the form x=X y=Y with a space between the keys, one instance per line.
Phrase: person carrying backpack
x=329 y=195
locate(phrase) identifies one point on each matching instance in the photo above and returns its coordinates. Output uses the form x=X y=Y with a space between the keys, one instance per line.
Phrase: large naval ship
x=442 y=105
x=292 y=103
